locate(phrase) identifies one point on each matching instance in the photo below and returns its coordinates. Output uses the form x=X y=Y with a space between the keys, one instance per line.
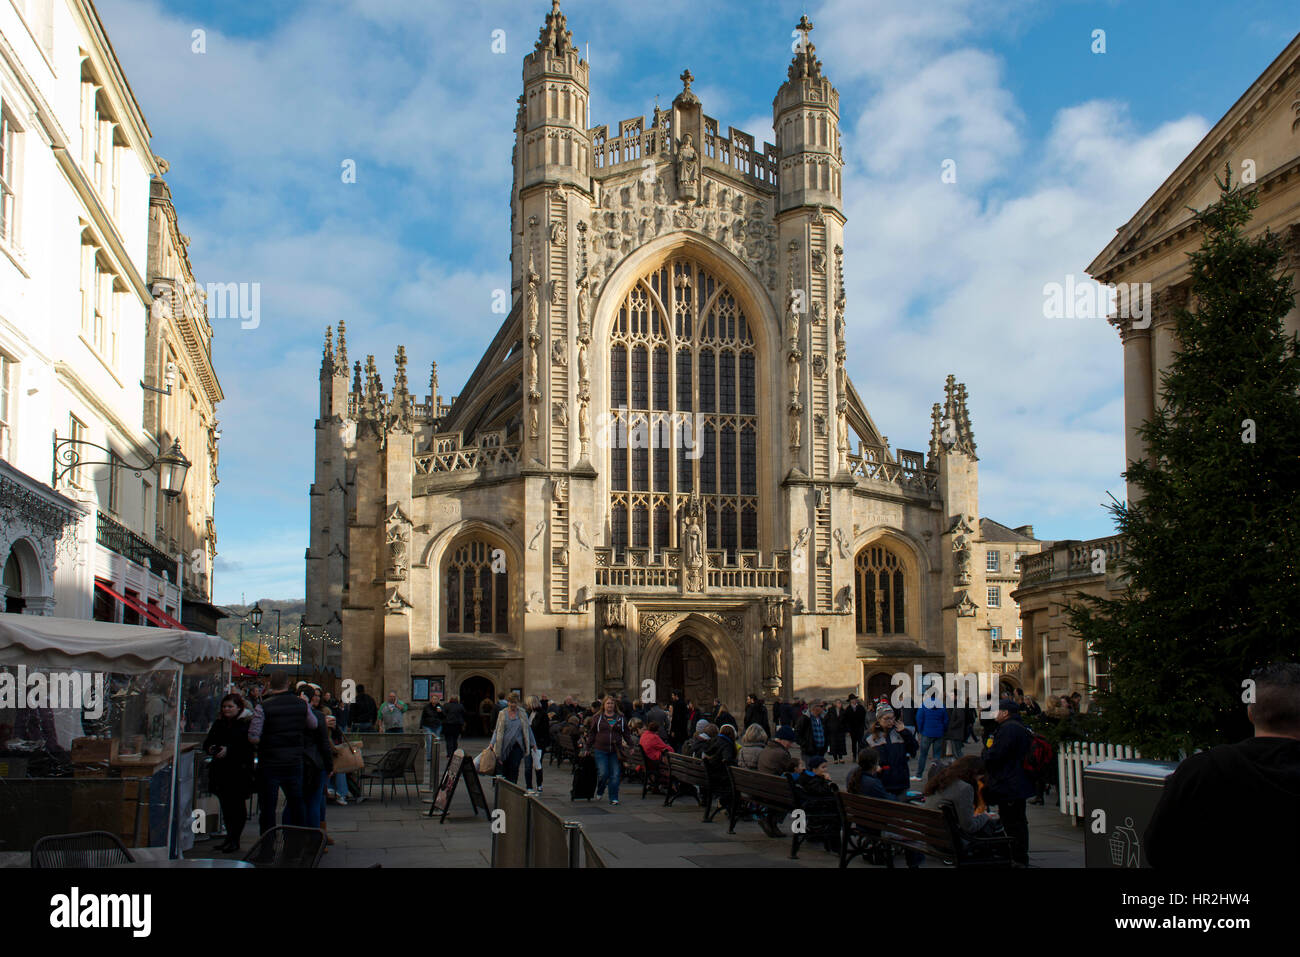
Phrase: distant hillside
x=291 y=610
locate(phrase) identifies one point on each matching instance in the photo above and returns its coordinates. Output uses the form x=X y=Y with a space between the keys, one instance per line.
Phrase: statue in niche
x=559 y=233
x=795 y=368
x=842 y=437
x=584 y=425
x=560 y=413
x=532 y=422
x=533 y=281
x=613 y=655
x=583 y=365
x=796 y=432
x=397 y=540
x=584 y=330
x=771 y=657
x=688 y=163
x=559 y=356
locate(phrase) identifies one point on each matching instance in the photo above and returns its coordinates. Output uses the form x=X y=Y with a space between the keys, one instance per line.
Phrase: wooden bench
x=865 y=822
x=683 y=769
x=656 y=776
x=771 y=792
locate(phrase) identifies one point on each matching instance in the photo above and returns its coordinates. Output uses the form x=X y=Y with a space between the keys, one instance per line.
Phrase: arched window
x=478 y=590
x=881 y=592
x=682 y=377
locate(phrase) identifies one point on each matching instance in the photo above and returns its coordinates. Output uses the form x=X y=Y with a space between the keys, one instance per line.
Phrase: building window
x=682 y=311
x=114 y=493
x=991 y=561
x=76 y=432
x=1016 y=566
x=881 y=593
x=478 y=597
x=8 y=175
x=994 y=596
x=559 y=639
x=6 y=407
x=1098 y=672
x=1020 y=634
x=995 y=633
x=826 y=639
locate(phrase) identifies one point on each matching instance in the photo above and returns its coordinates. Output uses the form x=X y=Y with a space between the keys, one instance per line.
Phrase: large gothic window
x=683 y=412
x=881 y=595
x=478 y=593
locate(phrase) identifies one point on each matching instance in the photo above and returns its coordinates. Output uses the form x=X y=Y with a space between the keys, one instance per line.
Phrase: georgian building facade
x=660 y=475
x=79 y=525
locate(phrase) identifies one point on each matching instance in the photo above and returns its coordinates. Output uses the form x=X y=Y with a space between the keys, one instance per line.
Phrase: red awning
x=239 y=671
x=151 y=612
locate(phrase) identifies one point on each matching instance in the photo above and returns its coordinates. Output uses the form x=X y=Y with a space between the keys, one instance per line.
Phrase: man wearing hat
x=811 y=732
x=1009 y=784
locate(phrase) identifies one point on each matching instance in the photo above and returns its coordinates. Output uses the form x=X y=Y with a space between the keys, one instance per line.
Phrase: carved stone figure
x=537 y=534
x=842 y=437
x=559 y=233
x=559 y=355
x=533 y=281
x=560 y=414
x=794 y=376
x=771 y=657
x=584 y=368
x=398 y=538
x=796 y=431
x=584 y=425
x=532 y=422
x=688 y=164
x=613 y=655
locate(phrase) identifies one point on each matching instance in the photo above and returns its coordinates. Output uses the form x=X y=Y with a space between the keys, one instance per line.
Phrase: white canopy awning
x=39 y=641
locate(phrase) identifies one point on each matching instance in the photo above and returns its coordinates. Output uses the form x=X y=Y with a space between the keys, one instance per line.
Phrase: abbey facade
x=660 y=470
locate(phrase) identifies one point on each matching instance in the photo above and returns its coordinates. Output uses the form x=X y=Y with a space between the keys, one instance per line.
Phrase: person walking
x=811 y=730
x=678 y=721
x=931 y=727
x=487 y=712
x=1259 y=776
x=835 y=732
x=512 y=742
x=541 y=725
x=318 y=764
x=390 y=714
x=363 y=712
x=431 y=725
x=606 y=731
x=855 y=723
x=756 y=713
x=231 y=773
x=960 y=723
x=453 y=723
x=1009 y=784
x=279 y=729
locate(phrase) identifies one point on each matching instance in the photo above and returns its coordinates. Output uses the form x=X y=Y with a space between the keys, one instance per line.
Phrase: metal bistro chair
x=83 y=849
x=390 y=768
x=284 y=846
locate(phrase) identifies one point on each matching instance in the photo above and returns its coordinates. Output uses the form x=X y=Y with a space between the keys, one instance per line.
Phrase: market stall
x=90 y=722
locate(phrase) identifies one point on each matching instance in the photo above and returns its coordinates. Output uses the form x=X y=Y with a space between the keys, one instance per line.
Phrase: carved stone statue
x=532 y=422
x=613 y=655
x=794 y=376
x=771 y=657
x=842 y=437
x=584 y=424
x=583 y=363
x=559 y=233
x=397 y=559
x=533 y=281
x=559 y=355
x=584 y=328
x=688 y=165
x=796 y=431
x=694 y=543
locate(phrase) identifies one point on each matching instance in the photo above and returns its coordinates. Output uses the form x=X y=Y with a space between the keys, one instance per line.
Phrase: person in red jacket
x=652 y=745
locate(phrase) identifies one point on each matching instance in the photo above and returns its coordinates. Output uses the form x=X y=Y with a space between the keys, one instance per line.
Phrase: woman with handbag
x=541 y=725
x=513 y=741
x=607 y=735
x=231 y=774
x=347 y=760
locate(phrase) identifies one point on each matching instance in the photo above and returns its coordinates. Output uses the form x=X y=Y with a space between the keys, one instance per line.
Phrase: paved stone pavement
x=637 y=833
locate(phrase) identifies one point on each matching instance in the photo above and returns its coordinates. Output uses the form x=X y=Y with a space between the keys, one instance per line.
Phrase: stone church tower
x=660 y=476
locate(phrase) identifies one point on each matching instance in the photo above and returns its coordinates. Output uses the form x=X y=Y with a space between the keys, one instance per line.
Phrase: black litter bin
x=1119 y=798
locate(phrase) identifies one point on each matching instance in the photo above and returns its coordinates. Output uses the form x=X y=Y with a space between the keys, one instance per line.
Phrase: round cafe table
x=212 y=863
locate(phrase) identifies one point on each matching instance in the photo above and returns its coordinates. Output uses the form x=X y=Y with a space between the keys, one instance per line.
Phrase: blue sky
x=1056 y=147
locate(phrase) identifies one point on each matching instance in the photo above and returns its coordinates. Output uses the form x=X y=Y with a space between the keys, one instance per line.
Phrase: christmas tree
x=1212 y=544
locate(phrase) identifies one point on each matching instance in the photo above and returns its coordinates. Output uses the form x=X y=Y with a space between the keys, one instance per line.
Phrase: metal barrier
x=1071 y=758
x=529 y=834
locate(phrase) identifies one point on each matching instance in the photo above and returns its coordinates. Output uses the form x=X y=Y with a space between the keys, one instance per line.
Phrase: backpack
x=1039 y=757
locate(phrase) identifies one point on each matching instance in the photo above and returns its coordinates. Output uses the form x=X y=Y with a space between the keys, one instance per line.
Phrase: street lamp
x=172 y=465
x=256 y=615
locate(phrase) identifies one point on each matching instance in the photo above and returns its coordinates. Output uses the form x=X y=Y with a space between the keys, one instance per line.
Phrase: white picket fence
x=1071 y=758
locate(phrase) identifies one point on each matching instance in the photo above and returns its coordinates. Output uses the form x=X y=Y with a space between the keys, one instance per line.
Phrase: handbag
x=487 y=761
x=347 y=758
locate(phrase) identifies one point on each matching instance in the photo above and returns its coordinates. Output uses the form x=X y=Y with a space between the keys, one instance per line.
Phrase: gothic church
x=660 y=469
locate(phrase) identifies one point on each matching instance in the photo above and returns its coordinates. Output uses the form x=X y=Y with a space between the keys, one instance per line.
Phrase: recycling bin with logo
x=1119 y=798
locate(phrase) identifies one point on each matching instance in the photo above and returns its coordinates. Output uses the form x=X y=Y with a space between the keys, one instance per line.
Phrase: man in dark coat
x=855 y=722
x=1009 y=784
x=1233 y=807
x=755 y=713
x=678 y=726
x=364 y=711
x=279 y=729
x=453 y=722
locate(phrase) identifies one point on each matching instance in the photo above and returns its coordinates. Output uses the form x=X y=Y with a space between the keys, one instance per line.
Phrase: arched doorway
x=13 y=582
x=474 y=690
x=687 y=666
x=880 y=685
